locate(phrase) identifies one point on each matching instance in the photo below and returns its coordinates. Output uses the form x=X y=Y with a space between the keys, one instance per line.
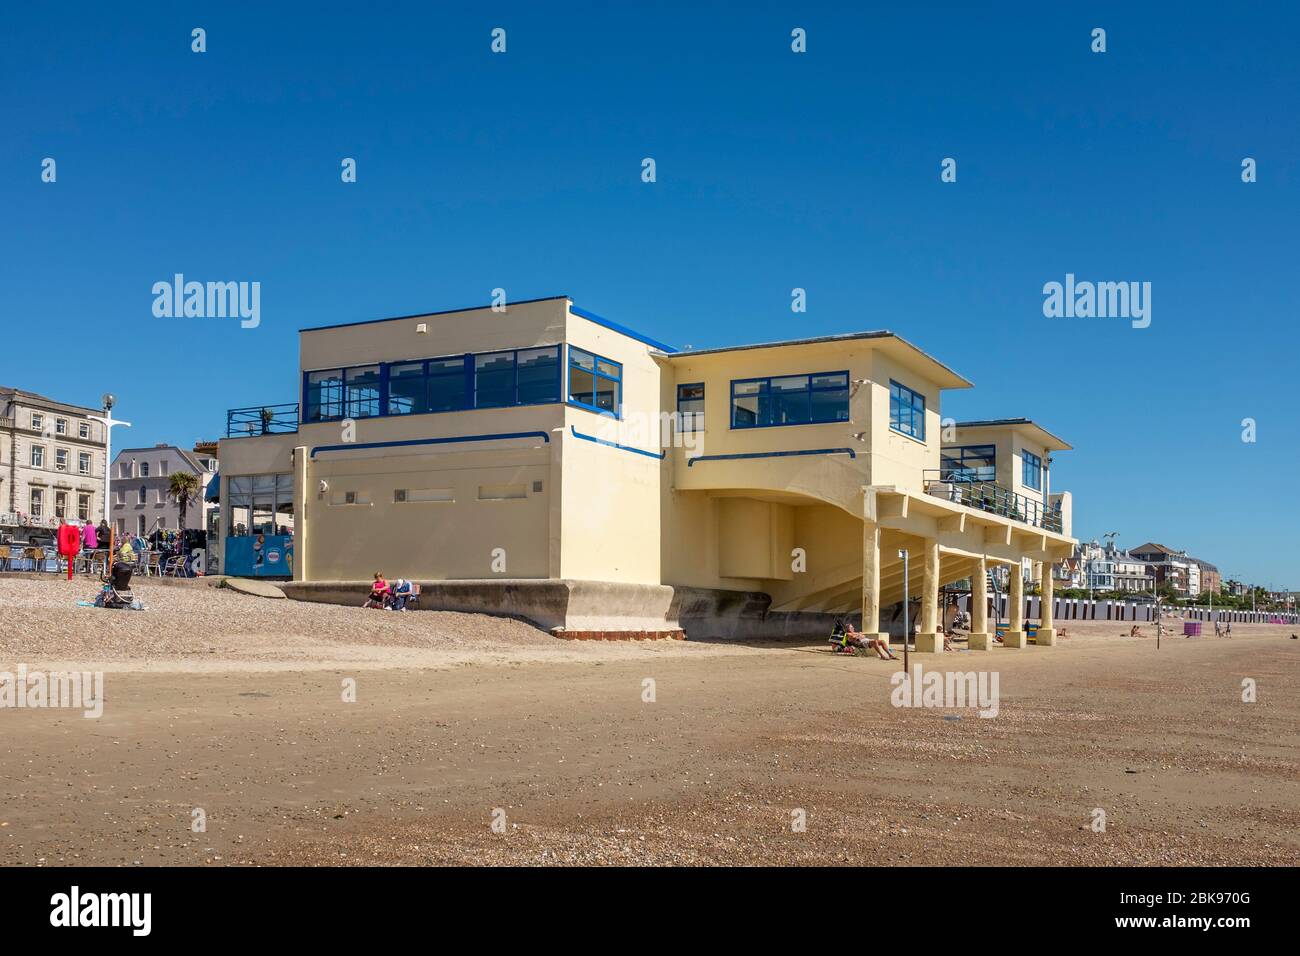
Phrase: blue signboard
x=259 y=556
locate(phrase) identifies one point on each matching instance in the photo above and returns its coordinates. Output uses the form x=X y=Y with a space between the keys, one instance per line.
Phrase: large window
x=969 y=463
x=261 y=504
x=38 y=456
x=144 y=469
x=361 y=391
x=408 y=388
x=60 y=459
x=819 y=398
x=37 y=500
x=594 y=382
x=906 y=411
x=83 y=429
x=452 y=383
x=83 y=507
x=83 y=462
x=1031 y=470
x=324 y=395
x=690 y=407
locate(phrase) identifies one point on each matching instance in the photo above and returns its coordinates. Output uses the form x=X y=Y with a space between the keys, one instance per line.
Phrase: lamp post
x=108 y=421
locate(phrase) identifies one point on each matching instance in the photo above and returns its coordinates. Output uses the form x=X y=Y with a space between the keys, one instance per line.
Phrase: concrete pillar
x=301 y=491
x=1016 y=608
x=929 y=640
x=980 y=638
x=1046 y=635
x=871 y=578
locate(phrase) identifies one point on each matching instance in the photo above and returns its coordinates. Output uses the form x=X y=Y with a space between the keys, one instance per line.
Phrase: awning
x=213 y=491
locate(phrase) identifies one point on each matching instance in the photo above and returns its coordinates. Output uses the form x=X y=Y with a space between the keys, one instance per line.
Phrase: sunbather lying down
x=857 y=639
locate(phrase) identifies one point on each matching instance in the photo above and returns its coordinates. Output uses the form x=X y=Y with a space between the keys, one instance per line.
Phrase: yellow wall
x=609 y=515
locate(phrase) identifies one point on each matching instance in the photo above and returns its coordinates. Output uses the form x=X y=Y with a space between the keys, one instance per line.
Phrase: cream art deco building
x=51 y=463
x=546 y=462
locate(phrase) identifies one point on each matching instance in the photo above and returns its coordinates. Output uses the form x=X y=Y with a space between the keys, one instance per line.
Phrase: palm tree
x=184 y=487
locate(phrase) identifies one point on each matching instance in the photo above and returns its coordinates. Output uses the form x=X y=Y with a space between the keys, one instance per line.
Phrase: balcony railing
x=262 y=420
x=954 y=486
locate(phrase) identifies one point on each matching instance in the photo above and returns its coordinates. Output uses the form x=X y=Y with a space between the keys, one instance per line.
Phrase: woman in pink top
x=89 y=540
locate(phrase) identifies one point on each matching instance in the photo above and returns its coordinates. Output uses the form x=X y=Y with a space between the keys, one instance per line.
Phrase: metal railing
x=262 y=420
x=952 y=485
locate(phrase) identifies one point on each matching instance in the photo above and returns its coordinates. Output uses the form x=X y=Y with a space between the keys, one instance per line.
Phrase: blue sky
x=775 y=170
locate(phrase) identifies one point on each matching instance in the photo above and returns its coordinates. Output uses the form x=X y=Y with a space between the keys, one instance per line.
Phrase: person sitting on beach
x=881 y=647
x=1135 y=631
x=379 y=591
x=400 y=595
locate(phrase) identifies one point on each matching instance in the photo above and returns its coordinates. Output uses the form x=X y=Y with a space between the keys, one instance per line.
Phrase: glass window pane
x=582 y=386
x=607 y=394
x=324 y=395
x=363 y=391
x=612 y=369
x=494 y=380
x=406 y=389
x=748 y=410
x=830 y=405
x=263 y=516
x=835 y=380
x=789 y=383
x=539 y=375
x=789 y=404
x=582 y=359
x=447 y=385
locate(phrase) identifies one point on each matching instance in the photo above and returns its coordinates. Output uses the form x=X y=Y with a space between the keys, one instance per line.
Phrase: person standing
x=69 y=543
x=89 y=537
x=104 y=534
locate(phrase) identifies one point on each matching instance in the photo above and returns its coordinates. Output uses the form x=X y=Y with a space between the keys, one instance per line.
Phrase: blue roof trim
x=773 y=454
x=621 y=329
x=429 y=441
x=613 y=444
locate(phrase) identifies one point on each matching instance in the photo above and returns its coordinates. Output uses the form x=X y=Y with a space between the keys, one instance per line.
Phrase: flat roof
x=581 y=313
x=1049 y=441
x=955 y=380
x=421 y=315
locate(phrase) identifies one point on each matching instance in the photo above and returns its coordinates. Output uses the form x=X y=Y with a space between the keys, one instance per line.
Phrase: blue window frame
x=447 y=384
x=969 y=463
x=690 y=407
x=595 y=383
x=906 y=411
x=1031 y=470
x=816 y=399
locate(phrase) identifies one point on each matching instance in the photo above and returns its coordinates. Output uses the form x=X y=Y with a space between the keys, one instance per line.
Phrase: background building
x=141 y=479
x=51 y=462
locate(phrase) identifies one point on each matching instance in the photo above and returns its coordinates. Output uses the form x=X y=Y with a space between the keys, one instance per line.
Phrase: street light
x=108 y=421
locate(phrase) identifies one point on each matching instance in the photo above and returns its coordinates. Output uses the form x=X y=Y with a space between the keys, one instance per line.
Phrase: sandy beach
x=760 y=753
